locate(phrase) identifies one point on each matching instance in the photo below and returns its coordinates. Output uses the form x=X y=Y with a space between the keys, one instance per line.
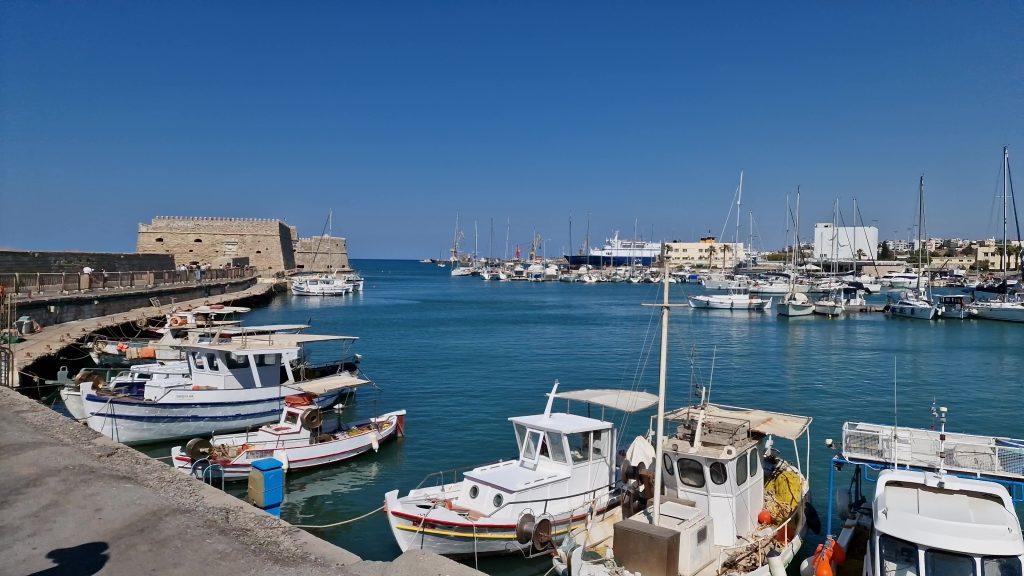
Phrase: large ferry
x=618 y=252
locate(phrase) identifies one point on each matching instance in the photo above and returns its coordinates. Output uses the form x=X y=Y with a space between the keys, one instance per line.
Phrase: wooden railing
x=36 y=284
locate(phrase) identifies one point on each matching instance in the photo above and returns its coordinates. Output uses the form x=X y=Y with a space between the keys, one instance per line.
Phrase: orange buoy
x=764 y=517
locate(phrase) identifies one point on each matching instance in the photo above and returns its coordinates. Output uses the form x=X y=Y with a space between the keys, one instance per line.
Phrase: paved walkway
x=72 y=502
x=53 y=338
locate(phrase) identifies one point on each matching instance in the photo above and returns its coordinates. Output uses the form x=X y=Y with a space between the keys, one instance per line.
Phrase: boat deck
x=969 y=453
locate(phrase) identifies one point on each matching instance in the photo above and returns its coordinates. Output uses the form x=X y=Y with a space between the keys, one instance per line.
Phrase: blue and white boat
x=223 y=387
x=618 y=252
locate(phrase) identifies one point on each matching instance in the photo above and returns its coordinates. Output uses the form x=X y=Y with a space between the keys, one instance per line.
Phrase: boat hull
x=726 y=303
x=913 y=312
x=304 y=456
x=187 y=414
x=796 y=309
x=1012 y=313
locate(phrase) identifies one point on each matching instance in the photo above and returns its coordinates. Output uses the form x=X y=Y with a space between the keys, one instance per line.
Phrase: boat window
x=498 y=500
x=235 y=361
x=474 y=491
x=899 y=558
x=211 y=361
x=666 y=462
x=199 y=360
x=719 y=473
x=599 y=445
x=579 y=447
x=1000 y=566
x=556 y=448
x=691 y=472
x=520 y=434
x=533 y=440
x=268 y=359
x=291 y=418
x=741 y=470
x=942 y=563
x=754 y=459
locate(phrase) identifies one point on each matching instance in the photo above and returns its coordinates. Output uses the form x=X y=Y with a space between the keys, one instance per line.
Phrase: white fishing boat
x=565 y=466
x=795 y=304
x=940 y=504
x=1005 y=307
x=320 y=285
x=301 y=439
x=228 y=386
x=707 y=496
x=737 y=300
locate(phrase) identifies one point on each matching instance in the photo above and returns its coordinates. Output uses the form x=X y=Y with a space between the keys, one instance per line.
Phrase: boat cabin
x=562 y=456
x=716 y=460
x=928 y=524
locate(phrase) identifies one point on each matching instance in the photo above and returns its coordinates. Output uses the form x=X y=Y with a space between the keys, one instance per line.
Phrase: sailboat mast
x=736 y=235
x=788 y=218
x=570 y=234
x=508 y=226
x=455 y=239
x=1005 y=243
x=587 y=245
x=662 y=380
x=797 y=252
x=490 y=246
x=921 y=218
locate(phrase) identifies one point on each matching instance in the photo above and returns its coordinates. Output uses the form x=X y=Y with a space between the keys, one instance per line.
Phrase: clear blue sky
x=399 y=114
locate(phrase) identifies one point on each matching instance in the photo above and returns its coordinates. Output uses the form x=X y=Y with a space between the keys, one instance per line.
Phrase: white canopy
x=624 y=400
x=789 y=426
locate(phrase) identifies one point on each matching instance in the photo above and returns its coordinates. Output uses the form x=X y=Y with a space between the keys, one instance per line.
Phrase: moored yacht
x=940 y=504
x=565 y=467
x=228 y=386
x=736 y=300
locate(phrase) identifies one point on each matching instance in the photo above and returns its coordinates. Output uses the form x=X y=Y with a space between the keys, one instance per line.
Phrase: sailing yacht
x=795 y=302
x=720 y=499
x=940 y=504
x=1004 y=308
x=916 y=303
x=831 y=305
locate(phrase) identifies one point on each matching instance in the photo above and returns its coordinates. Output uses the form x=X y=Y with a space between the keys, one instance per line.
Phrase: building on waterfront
x=269 y=244
x=707 y=253
x=988 y=254
x=321 y=254
x=848 y=242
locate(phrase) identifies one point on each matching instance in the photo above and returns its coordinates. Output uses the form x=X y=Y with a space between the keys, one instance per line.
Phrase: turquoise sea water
x=462 y=355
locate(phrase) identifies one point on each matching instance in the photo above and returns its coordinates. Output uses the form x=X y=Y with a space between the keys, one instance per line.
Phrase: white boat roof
x=765 y=422
x=510 y=476
x=624 y=400
x=179 y=368
x=205 y=309
x=267 y=343
x=329 y=383
x=561 y=422
x=961 y=516
x=262 y=329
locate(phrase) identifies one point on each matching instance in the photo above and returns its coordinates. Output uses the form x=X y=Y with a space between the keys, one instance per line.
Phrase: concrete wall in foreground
x=25 y=262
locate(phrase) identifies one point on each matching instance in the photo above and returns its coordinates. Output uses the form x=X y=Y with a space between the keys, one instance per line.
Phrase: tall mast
x=788 y=218
x=330 y=223
x=797 y=253
x=1005 y=243
x=508 y=226
x=490 y=246
x=476 y=242
x=739 y=201
x=662 y=378
x=587 y=245
x=570 y=234
x=921 y=218
x=455 y=240
x=750 y=234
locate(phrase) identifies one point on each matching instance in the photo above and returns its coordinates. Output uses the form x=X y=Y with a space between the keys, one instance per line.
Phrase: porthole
x=498 y=500
x=474 y=491
x=718 y=473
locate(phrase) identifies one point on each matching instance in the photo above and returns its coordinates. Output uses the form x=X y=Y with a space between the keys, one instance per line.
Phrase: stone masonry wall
x=200 y=240
x=24 y=262
x=321 y=254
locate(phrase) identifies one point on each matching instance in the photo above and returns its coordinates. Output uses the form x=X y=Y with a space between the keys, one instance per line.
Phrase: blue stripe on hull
x=270 y=414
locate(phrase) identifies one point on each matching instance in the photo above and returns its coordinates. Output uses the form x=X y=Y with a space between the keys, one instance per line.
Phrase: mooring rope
x=333 y=524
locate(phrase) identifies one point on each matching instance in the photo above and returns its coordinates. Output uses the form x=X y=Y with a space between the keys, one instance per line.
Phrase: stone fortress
x=269 y=244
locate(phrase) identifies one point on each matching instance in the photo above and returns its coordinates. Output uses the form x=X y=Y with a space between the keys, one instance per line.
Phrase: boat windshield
x=902 y=558
x=1000 y=566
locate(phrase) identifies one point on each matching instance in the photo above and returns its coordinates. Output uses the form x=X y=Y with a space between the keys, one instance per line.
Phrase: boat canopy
x=328 y=383
x=789 y=426
x=624 y=400
x=235 y=330
x=214 y=309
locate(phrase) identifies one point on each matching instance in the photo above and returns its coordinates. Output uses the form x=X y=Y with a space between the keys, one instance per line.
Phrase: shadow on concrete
x=82 y=560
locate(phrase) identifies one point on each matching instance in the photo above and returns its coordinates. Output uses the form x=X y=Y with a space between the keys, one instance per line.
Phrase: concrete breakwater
x=76 y=501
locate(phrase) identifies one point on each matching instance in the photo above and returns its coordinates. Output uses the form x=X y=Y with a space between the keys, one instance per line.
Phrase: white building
x=849 y=242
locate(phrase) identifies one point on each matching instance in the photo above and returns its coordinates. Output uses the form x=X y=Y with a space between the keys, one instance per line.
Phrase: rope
x=333 y=524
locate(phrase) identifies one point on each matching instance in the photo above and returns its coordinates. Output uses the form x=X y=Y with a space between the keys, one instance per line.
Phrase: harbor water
x=462 y=355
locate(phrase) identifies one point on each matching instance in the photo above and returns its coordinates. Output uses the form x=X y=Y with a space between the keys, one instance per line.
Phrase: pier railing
x=42 y=284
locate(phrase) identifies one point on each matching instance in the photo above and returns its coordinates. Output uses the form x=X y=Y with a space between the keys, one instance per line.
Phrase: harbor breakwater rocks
x=74 y=500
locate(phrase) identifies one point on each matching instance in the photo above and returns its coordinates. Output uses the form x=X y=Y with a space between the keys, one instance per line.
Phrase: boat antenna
x=895 y=417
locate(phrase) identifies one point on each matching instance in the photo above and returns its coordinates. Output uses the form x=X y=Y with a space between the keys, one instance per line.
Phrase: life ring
x=177 y=321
